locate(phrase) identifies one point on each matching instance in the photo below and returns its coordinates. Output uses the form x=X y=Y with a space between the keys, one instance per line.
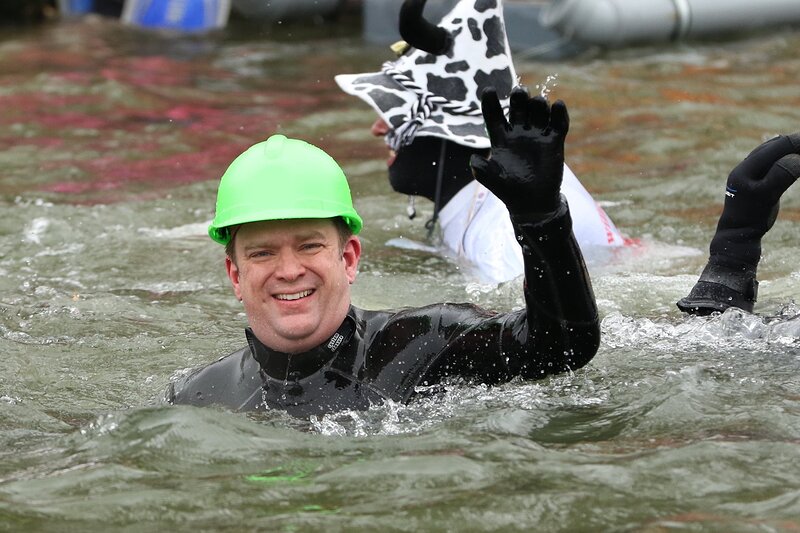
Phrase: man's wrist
x=535 y=214
x=723 y=284
x=737 y=277
x=539 y=229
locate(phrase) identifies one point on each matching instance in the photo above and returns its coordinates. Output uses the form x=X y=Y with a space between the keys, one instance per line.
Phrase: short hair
x=342 y=228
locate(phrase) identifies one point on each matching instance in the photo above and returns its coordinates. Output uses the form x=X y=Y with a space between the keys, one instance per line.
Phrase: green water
x=111 y=142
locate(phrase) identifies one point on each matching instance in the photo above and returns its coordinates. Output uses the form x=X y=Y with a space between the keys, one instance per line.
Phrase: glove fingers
x=794 y=138
x=559 y=118
x=764 y=156
x=539 y=112
x=493 y=117
x=782 y=174
x=518 y=112
x=483 y=169
x=479 y=165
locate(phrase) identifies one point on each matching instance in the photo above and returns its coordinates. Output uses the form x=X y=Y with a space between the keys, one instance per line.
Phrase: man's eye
x=311 y=246
x=260 y=254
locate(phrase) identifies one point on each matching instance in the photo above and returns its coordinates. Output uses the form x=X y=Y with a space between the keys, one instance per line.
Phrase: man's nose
x=380 y=128
x=289 y=266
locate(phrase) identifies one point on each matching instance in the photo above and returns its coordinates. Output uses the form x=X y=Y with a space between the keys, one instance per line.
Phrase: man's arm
x=752 y=197
x=560 y=330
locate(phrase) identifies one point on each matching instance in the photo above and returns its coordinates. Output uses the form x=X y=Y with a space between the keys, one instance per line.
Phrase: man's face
x=293 y=277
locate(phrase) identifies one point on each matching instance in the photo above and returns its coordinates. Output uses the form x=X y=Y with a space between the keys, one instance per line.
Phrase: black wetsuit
x=377 y=355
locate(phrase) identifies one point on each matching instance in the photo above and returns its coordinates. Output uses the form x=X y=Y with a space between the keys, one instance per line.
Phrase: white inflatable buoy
x=614 y=23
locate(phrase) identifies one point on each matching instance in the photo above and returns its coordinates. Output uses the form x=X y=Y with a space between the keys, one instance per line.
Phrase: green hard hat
x=281 y=178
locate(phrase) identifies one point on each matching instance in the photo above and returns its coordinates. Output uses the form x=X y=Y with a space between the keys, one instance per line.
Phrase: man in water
x=752 y=200
x=285 y=214
x=429 y=113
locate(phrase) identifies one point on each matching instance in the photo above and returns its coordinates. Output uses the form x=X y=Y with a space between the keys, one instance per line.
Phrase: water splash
x=456 y=402
x=732 y=329
x=549 y=84
x=37 y=227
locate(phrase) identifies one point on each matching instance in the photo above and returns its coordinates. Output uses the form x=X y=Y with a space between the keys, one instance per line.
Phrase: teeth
x=294 y=296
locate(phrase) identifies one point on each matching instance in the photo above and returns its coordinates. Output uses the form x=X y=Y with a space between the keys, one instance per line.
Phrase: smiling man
x=285 y=215
x=289 y=276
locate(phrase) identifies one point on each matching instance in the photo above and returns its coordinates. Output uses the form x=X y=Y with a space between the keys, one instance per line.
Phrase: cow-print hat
x=434 y=88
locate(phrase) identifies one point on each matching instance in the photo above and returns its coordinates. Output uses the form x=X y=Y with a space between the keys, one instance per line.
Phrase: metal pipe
x=615 y=23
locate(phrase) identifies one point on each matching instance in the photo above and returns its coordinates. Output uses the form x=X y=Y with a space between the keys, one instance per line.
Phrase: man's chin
x=290 y=336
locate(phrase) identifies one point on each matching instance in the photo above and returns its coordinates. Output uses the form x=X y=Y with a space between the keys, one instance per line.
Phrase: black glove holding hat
x=526 y=164
x=752 y=198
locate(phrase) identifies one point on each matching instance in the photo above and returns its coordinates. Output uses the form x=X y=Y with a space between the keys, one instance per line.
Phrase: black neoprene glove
x=752 y=198
x=526 y=164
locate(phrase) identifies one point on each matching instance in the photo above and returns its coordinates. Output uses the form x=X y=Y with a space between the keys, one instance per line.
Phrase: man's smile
x=294 y=295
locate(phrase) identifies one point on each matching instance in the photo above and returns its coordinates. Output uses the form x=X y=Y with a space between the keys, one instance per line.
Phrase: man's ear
x=233 y=275
x=351 y=255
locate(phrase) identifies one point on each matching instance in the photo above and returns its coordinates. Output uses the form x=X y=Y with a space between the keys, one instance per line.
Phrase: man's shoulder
x=437 y=320
x=232 y=361
x=447 y=312
x=428 y=310
x=228 y=381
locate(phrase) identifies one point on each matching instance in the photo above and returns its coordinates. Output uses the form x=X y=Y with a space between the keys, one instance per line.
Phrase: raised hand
x=752 y=199
x=526 y=164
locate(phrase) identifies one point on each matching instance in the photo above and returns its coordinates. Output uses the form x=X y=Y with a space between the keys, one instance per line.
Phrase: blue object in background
x=184 y=15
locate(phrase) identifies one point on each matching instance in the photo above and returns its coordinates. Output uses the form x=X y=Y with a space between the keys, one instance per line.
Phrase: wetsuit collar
x=280 y=365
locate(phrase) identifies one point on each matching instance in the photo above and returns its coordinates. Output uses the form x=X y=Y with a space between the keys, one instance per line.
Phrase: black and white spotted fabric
x=439 y=95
